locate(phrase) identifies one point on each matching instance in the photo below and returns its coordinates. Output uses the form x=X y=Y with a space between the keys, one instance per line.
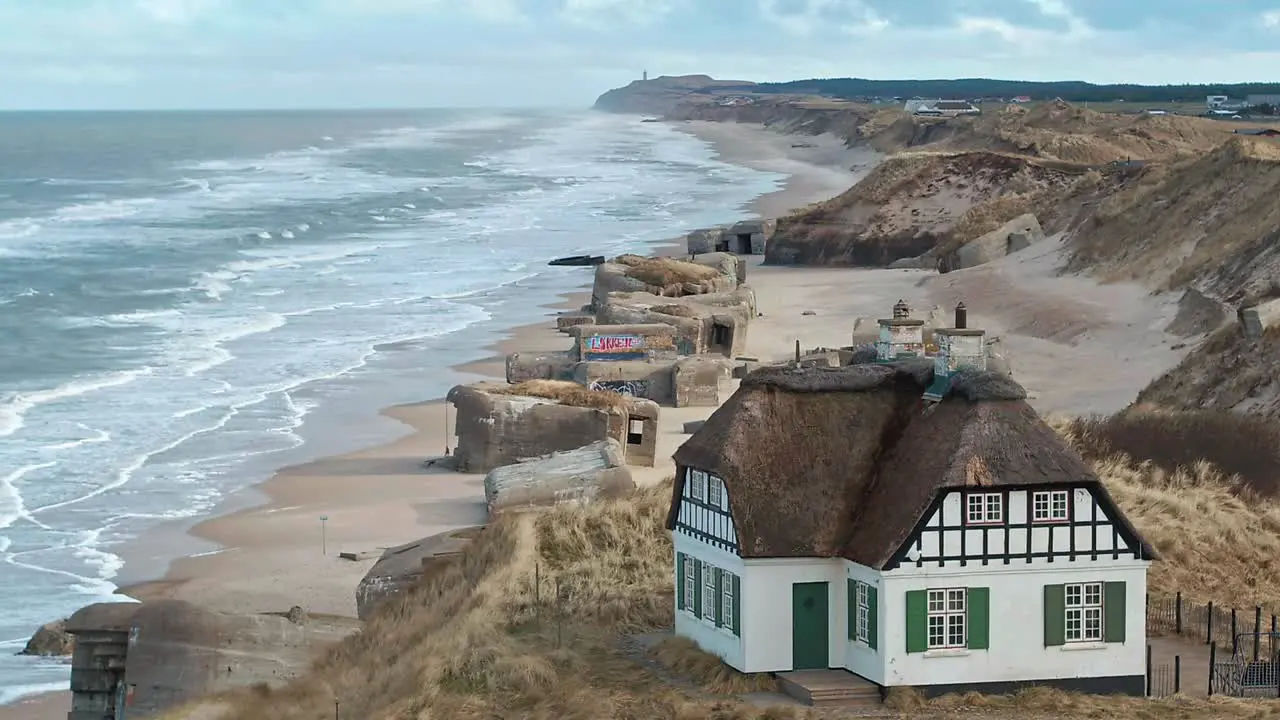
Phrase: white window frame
x=983 y=509
x=690 y=582
x=862 y=617
x=726 y=599
x=1083 y=621
x=715 y=491
x=1051 y=506
x=698 y=485
x=709 y=598
x=947 y=612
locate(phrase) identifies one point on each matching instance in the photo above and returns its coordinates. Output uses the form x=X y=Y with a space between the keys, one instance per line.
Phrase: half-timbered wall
x=704 y=511
x=994 y=526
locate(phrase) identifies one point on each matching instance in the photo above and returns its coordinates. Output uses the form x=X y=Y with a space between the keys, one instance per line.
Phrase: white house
x=834 y=518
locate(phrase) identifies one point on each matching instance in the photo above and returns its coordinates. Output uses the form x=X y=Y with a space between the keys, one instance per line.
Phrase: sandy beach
x=1077 y=347
x=275 y=554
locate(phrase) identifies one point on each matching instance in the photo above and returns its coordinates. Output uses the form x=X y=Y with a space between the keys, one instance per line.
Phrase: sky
x=149 y=54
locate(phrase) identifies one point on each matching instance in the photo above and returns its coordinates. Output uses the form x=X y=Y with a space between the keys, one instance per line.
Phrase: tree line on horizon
x=1071 y=91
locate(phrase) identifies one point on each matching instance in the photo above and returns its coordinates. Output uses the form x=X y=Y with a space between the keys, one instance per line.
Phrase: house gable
x=1020 y=525
x=700 y=509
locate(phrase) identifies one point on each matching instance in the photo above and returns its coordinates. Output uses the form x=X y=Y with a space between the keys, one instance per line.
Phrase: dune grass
x=565 y=392
x=533 y=620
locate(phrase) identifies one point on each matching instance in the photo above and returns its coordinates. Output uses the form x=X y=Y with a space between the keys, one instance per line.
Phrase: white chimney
x=958 y=347
x=900 y=336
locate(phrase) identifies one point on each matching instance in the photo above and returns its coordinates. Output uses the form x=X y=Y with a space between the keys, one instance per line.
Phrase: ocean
x=189 y=301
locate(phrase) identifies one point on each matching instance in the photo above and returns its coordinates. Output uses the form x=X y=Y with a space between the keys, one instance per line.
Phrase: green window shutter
x=872 y=609
x=1055 y=615
x=853 y=608
x=698 y=568
x=680 y=581
x=737 y=605
x=917 y=620
x=978 y=602
x=1113 y=612
x=719 y=597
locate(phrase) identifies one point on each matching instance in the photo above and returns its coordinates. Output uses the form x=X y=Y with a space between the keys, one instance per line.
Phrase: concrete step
x=829 y=688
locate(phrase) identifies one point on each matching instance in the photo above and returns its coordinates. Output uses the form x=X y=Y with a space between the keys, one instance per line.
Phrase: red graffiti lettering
x=613 y=343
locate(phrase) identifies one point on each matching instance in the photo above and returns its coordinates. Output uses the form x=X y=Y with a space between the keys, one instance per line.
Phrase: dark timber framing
x=1124 y=540
x=705 y=522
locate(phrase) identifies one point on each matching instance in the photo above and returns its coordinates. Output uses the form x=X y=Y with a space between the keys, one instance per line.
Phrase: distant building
x=1213 y=102
x=1256 y=100
x=940 y=108
x=1021 y=99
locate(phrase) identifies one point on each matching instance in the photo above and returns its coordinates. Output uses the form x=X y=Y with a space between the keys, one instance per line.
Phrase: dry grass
x=682 y=656
x=564 y=392
x=1218 y=538
x=480 y=641
x=664 y=271
x=1211 y=220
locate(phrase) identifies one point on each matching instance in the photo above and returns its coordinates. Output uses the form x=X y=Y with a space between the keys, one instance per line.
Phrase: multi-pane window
x=983 y=508
x=715 y=492
x=698 y=485
x=709 y=592
x=946 y=615
x=1084 y=612
x=862 y=620
x=690 y=586
x=726 y=599
x=1049 y=506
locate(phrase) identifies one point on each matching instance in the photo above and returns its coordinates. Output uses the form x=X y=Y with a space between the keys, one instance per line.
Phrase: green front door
x=809 y=626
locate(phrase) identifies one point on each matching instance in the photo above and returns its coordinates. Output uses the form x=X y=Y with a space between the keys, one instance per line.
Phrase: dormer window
x=698 y=485
x=984 y=509
x=1049 y=507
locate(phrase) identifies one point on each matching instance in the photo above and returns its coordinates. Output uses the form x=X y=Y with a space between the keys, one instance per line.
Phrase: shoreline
x=268 y=550
x=1056 y=330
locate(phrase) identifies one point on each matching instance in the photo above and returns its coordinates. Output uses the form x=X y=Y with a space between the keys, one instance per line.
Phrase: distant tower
x=646 y=75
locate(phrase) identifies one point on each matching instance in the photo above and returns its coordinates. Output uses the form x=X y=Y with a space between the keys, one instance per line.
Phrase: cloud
x=808 y=17
x=245 y=53
x=615 y=14
x=178 y=12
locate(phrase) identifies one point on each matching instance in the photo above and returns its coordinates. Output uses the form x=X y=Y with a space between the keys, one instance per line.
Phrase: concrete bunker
x=666 y=276
x=592 y=472
x=146 y=658
x=713 y=323
x=403 y=566
x=499 y=424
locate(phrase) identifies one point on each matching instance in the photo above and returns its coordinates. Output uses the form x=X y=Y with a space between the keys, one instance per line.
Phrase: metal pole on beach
x=324 y=541
x=446 y=429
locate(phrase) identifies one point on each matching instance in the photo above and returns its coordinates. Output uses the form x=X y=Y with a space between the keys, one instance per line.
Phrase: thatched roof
x=843 y=462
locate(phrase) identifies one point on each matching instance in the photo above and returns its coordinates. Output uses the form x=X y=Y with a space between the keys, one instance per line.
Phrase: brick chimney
x=959 y=346
x=901 y=336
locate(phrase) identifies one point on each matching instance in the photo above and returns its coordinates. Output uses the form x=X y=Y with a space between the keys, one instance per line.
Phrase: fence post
x=1257 y=631
x=1177 y=612
x=1213 y=659
x=1235 y=643
x=1177 y=674
x=1208 y=640
x=559 y=624
x=537 y=593
x=1148 y=669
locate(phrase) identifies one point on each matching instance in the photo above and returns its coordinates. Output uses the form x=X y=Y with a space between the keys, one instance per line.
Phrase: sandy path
x=1077 y=346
